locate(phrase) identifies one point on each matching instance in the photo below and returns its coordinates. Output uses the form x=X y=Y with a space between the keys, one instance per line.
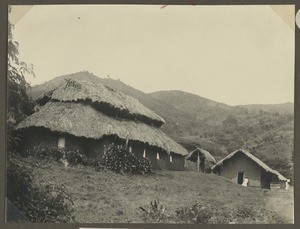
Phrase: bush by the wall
x=119 y=159
x=73 y=157
x=116 y=157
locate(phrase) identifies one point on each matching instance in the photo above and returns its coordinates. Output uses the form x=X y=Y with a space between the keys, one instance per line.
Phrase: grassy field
x=106 y=197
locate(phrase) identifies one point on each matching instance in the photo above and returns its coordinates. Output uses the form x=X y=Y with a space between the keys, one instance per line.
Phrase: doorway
x=265 y=179
x=240 y=177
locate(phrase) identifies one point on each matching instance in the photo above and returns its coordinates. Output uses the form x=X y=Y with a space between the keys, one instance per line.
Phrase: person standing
x=287 y=185
x=245 y=182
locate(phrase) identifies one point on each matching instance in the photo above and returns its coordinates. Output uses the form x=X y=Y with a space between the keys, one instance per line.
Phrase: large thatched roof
x=83 y=120
x=254 y=159
x=192 y=156
x=103 y=98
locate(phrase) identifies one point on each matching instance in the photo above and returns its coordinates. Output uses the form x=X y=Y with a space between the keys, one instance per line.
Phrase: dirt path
x=282 y=202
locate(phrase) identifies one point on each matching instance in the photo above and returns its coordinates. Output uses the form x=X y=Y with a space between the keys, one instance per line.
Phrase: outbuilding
x=241 y=164
x=203 y=158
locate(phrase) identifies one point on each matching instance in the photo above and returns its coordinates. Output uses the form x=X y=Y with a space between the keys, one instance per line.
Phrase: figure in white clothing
x=245 y=183
x=64 y=160
x=287 y=185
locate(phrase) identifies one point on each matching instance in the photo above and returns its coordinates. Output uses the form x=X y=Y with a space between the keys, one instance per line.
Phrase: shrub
x=156 y=212
x=197 y=213
x=119 y=159
x=13 y=137
x=39 y=204
x=218 y=213
x=73 y=157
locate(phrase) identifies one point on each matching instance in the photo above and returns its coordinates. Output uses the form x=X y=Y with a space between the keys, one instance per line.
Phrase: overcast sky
x=231 y=54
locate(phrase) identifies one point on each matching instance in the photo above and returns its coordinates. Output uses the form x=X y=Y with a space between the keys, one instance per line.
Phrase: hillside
x=105 y=197
x=283 y=108
x=194 y=121
x=221 y=129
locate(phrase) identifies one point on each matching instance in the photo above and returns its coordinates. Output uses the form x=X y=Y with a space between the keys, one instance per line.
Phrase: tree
x=19 y=105
x=230 y=121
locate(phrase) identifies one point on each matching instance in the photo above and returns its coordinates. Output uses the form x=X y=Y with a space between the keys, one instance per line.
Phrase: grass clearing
x=107 y=197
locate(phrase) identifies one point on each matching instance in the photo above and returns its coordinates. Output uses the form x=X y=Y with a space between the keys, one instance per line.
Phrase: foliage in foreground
x=39 y=204
x=226 y=214
x=51 y=203
x=211 y=213
x=19 y=105
x=156 y=212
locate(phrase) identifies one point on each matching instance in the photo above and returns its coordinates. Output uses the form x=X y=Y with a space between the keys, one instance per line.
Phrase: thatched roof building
x=102 y=98
x=88 y=112
x=240 y=164
x=203 y=158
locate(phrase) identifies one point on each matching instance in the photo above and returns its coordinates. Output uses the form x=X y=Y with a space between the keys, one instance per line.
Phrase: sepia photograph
x=153 y=114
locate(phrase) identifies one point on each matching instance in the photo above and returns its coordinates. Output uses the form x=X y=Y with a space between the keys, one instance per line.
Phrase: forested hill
x=283 y=108
x=221 y=128
x=194 y=121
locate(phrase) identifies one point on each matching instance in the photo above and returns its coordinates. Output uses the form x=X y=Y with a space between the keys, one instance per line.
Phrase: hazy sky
x=231 y=54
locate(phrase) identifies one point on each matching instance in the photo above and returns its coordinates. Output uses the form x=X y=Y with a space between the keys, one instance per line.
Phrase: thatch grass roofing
x=192 y=156
x=82 y=120
x=254 y=159
x=103 y=98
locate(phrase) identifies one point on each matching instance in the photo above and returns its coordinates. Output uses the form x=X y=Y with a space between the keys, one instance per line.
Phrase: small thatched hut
x=88 y=116
x=203 y=159
x=240 y=164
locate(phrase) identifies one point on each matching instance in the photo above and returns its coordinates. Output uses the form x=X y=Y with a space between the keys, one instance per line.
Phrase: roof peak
x=191 y=156
x=103 y=98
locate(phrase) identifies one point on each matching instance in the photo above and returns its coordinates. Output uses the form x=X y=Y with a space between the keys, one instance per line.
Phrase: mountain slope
x=282 y=108
x=267 y=131
x=199 y=108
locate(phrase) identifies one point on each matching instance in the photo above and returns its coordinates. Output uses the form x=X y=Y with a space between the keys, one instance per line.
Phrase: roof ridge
x=75 y=90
